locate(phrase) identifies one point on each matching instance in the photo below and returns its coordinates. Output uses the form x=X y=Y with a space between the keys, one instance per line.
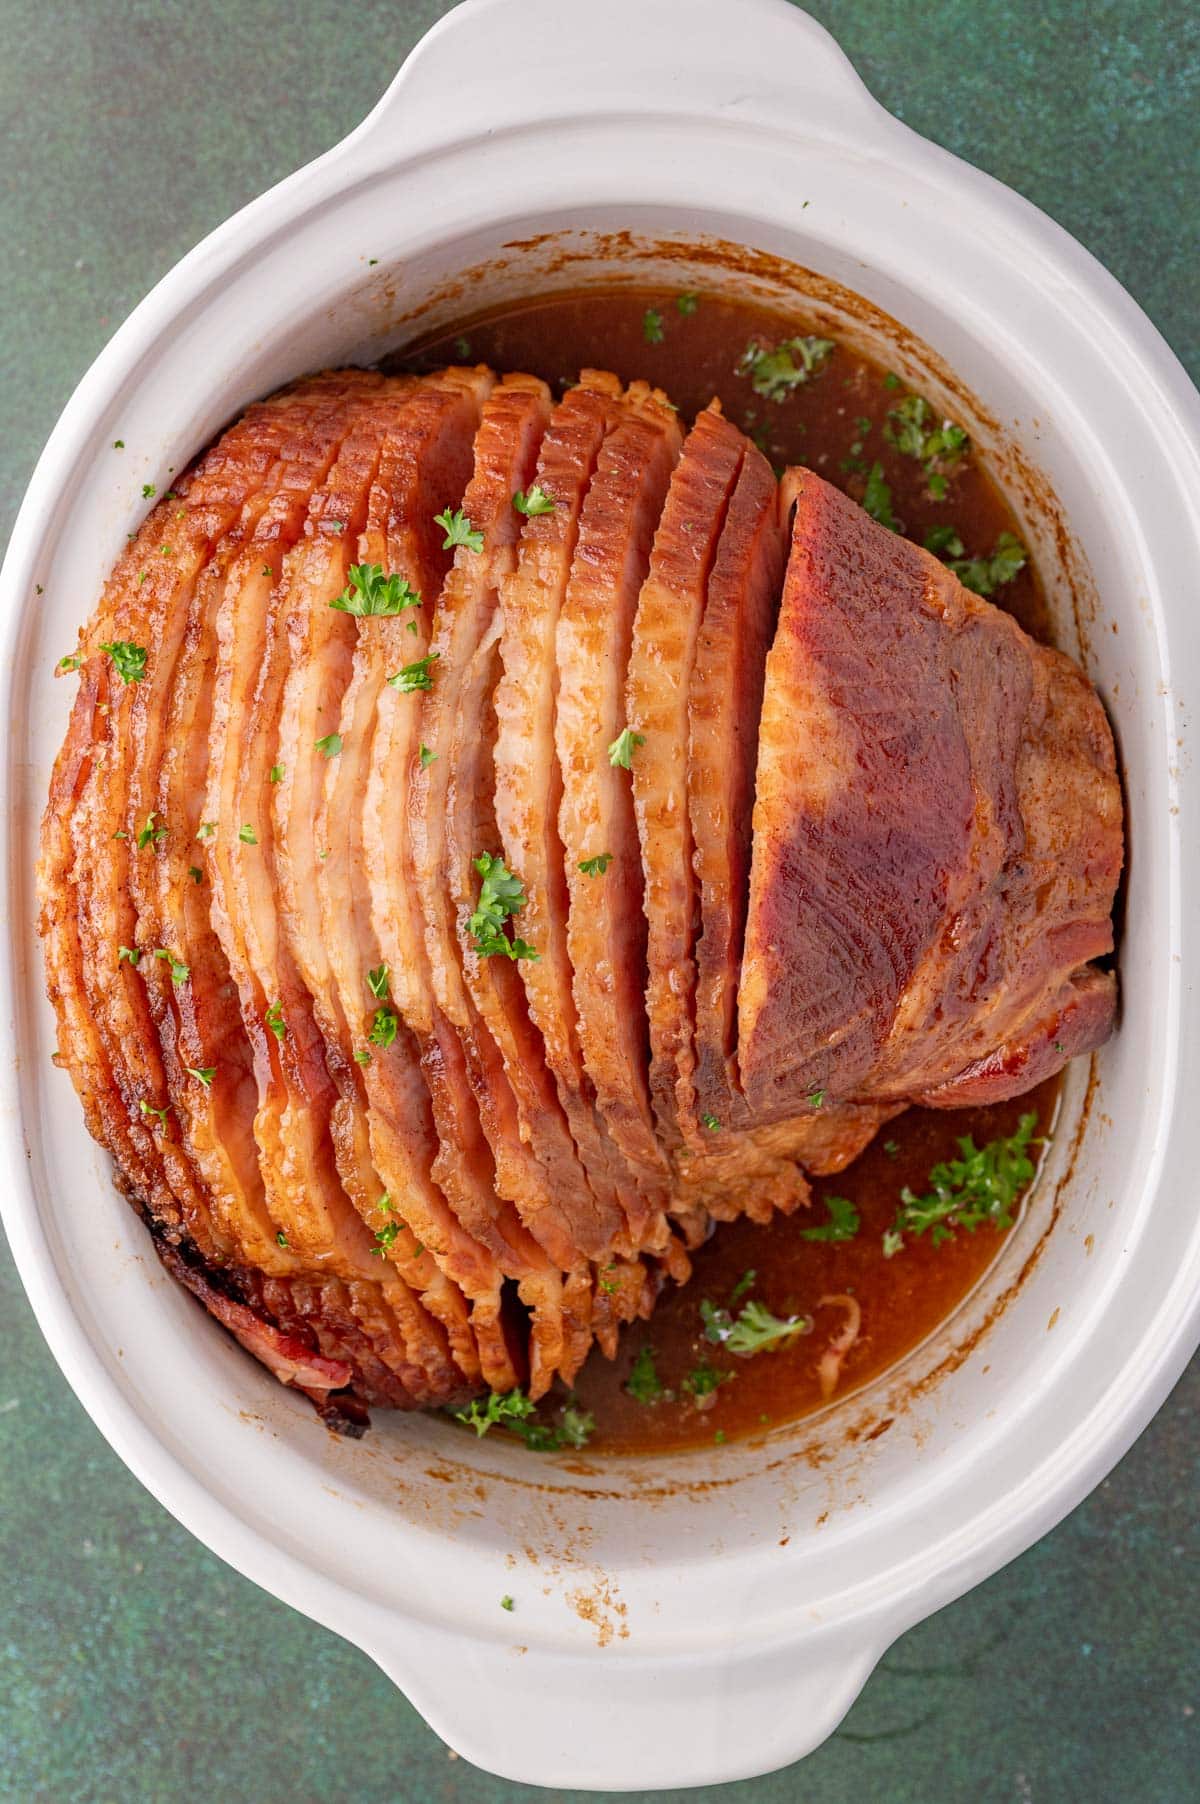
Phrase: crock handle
x=608 y=1720
x=492 y=64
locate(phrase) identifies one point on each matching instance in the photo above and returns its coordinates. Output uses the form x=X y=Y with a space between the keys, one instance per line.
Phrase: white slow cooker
x=687 y=1618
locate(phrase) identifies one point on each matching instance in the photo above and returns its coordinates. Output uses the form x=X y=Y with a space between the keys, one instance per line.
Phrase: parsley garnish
x=150 y=834
x=362 y=1056
x=711 y=1123
x=369 y=593
x=774 y=374
x=129 y=660
x=501 y=1410
x=130 y=953
x=204 y=1075
x=281 y=1238
x=512 y=1410
x=501 y=895
x=385 y=1237
x=70 y=662
x=415 y=676
x=148 y=1109
x=652 y=326
x=984 y=575
x=706 y=1378
x=179 y=971
x=892 y=1148
x=687 y=303
x=643 y=1383
x=534 y=501
x=248 y=836
x=816 y=1099
x=118 y=444
x=595 y=867
x=277 y=773
x=744 y=1283
x=275 y=1021
x=148 y=491
x=377 y=982
x=384 y=1026
x=621 y=751
x=206 y=830
x=753 y=1330
x=506 y=1603
x=982 y=1185
x=842 y=1223
x=913 y=428
x=426 y=756
x=195 y=873
x=331 y=745
x=458 y=530
x=877 y=499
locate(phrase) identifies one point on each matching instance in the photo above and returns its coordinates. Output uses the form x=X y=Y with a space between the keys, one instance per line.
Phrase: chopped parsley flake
x=277 y=773
x=385 y=1237
x=275 y=1021
x=877 y=499
x=150 y=834
x=426 y=756
x=816 y=1099
x=118 y=444
x=775 y=374
x=513 y=1410
x=377 y=982
x=370 y=593
x=179 y=971
x=643 y=1383
x=70 y=662
x=195 y=873
x=362 y=1056
x=415 y=676
x=148 y=491
x=206 y=830
x=706 y=1378
x=982 y=1185
x=914 y=429
x=687 y=303
x=148 y=1109
x=281 y=1238
x=501 y=895
x=533 y=501
x=248 y=836
x=506 y=1603
x=331 y=745
x=652 y=326
x=842 y=1223
x=458 y=530
x=984 y=575
x=129 y=954
x=596 y=867
x=203 y=1075
x=711 y=1123
x=753 y=1330
x=129 y=660
x=384 y=1026
x=621 y=751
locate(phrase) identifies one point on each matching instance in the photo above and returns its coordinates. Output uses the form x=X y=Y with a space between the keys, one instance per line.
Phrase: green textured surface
x=133 y=1665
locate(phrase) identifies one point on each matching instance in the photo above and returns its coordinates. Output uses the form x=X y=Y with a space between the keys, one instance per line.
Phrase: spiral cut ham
x=495 y=840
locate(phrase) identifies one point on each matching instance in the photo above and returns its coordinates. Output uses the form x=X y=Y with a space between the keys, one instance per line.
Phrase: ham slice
x=606 y=929
x=665 y=636
x=528 y=782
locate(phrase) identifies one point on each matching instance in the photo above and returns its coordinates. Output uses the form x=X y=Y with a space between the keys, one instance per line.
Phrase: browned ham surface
x=437 y=972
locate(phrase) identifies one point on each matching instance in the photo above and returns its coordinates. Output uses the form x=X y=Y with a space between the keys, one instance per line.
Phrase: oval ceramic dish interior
x=756 y=1583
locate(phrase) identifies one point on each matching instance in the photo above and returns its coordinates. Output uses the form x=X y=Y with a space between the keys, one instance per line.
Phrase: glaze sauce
x=835 y=423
